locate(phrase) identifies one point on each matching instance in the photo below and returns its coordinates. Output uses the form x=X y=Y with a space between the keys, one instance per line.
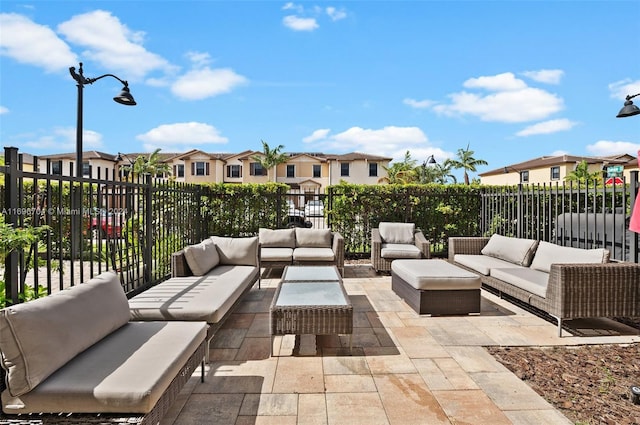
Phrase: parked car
x=314 y=208
x=104 y=223
x=295 y=217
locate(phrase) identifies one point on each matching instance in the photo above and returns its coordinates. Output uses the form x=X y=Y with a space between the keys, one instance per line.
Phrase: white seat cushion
x=435 y=275
x=206 y=298
x=530 y=280
x=126 y=372
x=396 y=250
x=313 y=254
x=276 y=254
x=481 y=263
x=397 y=232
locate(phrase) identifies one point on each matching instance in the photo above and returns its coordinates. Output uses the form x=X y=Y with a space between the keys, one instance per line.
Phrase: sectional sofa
x=564 y=282
x=74 y=357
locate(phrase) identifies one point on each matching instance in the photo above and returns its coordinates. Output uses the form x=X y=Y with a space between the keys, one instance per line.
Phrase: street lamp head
x=629 y=109
x=431 y=160
x=125 y=98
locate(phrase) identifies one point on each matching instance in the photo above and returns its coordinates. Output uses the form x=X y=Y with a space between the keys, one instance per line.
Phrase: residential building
x=554 y=169
x=308 y=173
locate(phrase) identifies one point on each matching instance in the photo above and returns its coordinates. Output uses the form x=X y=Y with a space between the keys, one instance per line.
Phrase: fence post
x=11 y=204
x=520 y=212
x=148 y=225
x=634 y=197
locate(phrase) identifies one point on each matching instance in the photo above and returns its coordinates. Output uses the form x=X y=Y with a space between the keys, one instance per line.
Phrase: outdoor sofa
x=75 y=357
x=284 y=247
x=565 y=282
x=393 y=241
x=207 y=281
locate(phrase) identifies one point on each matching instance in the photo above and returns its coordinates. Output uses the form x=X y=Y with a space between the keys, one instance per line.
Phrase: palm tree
x=443 y=173
x=582 y=175
x=466 y=161
x=401 y=172
x=270 y=158
x=152 y=165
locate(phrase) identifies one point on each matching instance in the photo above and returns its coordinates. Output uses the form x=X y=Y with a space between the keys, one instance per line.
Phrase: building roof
x=85 y=155
x=548 y=161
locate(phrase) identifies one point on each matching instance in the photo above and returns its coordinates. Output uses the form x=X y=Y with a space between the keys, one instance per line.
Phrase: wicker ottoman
x=436 y=287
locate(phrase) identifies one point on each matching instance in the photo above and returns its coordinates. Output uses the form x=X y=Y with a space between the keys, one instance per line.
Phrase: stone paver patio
x=404 y=368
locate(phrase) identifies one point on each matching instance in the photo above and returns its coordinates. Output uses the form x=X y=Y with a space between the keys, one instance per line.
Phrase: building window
x=234 y=171
x=200 y=168
x=344 y=169
x=86 y=169
x=291 y=170
x=56 y=168
x=524 y=176
x=555 y=173
x=178 y=170
x=317 y=171
x=256 y=169
x=373 y=169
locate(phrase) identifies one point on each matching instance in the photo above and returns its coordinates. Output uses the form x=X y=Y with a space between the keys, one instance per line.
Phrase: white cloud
x=418 y=104
x=501 y=82
x=548 y=76
x=525 y=104
x=113 y=45
x=297 y=23
x=292 y=6
x=336 y=14
x=547 y=127
x=203 y=83
x=384 y=141
x=64 y=139
x=606 y=147
x=620 y=89
x=199 y=59
x=4 y=110
x=319 y=134
x=33 y=44
x=180 y=137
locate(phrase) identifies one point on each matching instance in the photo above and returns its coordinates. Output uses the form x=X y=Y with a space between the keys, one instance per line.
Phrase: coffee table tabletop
x=311 y=273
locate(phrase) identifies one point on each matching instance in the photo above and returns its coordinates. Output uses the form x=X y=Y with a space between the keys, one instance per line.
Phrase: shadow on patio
x=403 y=369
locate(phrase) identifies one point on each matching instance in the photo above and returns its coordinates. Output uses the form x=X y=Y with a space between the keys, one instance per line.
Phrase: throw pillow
x=279 y=238
x=202 y=257
x=313 y=238
x=237 y=251
x=518 y=251
x=549 y=253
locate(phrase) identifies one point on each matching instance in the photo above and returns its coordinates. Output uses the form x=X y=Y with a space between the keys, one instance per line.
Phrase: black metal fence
x=133 y=225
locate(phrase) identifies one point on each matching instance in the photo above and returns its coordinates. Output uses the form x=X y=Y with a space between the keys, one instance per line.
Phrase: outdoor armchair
x=391 y=241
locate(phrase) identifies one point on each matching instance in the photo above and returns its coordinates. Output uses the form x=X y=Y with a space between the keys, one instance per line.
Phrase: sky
x=511 y=80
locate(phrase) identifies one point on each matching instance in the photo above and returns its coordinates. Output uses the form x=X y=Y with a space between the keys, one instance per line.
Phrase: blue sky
x=513 y=79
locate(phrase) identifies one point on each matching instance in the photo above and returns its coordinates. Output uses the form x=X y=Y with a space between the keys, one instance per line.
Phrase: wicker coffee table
x=311 y=305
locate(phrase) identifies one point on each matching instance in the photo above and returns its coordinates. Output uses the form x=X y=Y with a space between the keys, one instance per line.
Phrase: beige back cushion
x=518 y=251
x=397 y=232
x=237 y=251
x=202 y=257
x=279 y=238
x=40 y=336
x=310 y=238
x=548 y=253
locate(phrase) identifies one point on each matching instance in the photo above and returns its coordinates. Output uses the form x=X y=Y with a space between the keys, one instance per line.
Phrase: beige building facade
x=554 y=169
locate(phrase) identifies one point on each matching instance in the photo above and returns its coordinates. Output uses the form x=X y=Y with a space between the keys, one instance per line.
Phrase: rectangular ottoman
x=436 y=287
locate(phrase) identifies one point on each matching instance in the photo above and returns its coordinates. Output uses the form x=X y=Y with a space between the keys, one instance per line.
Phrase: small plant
x=607 y=382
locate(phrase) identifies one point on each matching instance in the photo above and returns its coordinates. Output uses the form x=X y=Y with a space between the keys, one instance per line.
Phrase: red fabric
x=634 y=223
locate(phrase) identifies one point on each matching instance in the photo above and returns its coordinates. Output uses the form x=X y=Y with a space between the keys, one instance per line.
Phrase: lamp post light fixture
x=124 y=98
x=431 y=160
x=629 y=109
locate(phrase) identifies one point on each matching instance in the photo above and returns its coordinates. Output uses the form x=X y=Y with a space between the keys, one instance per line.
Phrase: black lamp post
x=431 y=160
x=629 y=109
x=123 y=98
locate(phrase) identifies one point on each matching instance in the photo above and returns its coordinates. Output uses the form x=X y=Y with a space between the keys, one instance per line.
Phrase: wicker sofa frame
x=574 y=290
x=384 y=264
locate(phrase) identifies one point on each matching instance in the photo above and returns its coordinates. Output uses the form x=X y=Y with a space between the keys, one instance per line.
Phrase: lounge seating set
x=88 y=349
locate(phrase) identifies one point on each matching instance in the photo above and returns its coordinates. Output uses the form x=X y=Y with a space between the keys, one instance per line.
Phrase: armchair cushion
x=310 y=238
x=237 y=251
x=397 y=233
x=514 y=250
x=313 y=254
x=201 y=257
x=548 y=253
x=394 y=250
